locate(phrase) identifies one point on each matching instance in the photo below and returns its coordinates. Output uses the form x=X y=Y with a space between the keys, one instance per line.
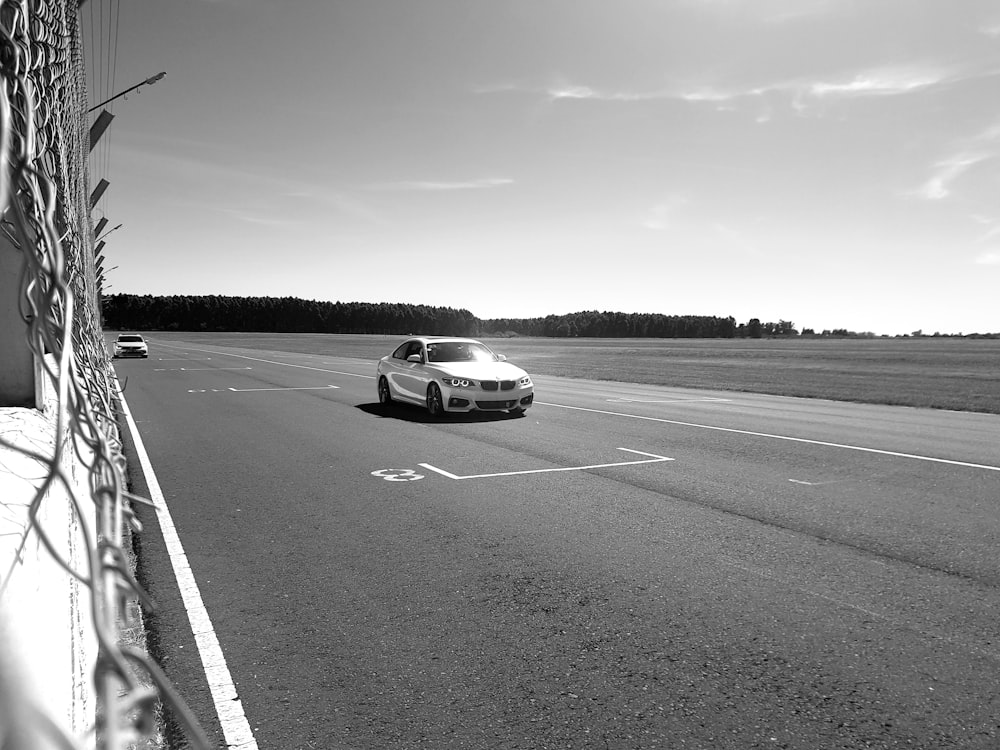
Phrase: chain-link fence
x=44 y=142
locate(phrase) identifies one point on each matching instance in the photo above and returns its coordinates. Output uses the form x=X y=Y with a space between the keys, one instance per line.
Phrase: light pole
x=108 y=232
x=149 y=81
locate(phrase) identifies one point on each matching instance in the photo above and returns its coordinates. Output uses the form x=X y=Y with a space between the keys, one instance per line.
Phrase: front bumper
x=476 y=399
x=131 y=353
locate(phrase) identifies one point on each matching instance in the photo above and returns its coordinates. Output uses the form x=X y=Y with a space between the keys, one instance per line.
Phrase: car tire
x=435 y=403
x=384 y=394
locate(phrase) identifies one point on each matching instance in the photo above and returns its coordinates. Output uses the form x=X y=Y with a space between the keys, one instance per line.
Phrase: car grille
x=496 y=404
x=503 y=385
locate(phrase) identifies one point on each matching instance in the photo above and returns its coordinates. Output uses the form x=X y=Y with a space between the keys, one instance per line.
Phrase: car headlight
x=525 y=381
x=459 y=382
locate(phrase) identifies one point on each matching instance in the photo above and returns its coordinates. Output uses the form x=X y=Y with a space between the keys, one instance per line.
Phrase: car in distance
x=130 y=345
x=447 y=374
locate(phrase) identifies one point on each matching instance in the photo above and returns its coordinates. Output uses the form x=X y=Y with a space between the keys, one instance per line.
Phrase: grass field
x=938 y=373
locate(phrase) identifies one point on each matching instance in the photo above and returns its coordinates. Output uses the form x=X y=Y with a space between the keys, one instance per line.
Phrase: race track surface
x=624 y=567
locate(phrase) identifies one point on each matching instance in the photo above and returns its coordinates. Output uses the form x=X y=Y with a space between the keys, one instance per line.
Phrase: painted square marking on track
x=652 y=458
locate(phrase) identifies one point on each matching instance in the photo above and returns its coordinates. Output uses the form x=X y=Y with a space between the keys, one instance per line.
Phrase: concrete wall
x=17 y=367
x=47 y=642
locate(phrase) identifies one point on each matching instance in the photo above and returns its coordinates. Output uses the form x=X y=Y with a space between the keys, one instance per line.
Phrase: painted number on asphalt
x=398 y=475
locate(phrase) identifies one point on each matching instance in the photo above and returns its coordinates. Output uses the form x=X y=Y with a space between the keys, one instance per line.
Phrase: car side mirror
x=501 y=358
x=414 y=358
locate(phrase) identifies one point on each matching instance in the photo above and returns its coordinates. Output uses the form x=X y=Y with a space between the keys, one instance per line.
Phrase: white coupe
x=453 y=375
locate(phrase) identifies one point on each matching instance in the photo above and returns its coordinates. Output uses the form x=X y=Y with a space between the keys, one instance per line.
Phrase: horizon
x=798 y=328
x=828 y=163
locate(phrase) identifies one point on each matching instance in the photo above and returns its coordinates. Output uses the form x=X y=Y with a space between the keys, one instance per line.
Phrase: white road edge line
x=652 y=460
x=228 y=705
x=778 y=437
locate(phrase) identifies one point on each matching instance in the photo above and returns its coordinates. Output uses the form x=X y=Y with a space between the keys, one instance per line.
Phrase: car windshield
x=130 y=338
x=458 y=351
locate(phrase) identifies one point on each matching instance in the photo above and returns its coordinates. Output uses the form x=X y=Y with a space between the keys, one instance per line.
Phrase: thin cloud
x=803 y=94
x=340 y=202
x=883 y=82
x=968 y=153
x=569 y=91
x=711 y=95
x=433 y=186
x=873 y=82
x=990 y=258
x=262 y=220
x=586 y=92
x=939 y=186
x=876 y=82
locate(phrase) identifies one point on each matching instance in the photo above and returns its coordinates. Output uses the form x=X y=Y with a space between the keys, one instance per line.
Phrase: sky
x=833 y=163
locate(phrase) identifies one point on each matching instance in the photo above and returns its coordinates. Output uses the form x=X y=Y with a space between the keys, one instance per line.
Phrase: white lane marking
x=272 y=362
x=183 y=359
x=197 y=369
x=652 y=460
x=625 y=400
x=879 y=451
x=308 y=388
x=228 y=705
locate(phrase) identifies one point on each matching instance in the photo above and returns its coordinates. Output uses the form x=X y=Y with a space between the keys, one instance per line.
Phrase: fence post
x=20 y=384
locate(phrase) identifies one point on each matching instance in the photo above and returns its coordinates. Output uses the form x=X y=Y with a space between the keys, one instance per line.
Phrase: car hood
x=481 y=370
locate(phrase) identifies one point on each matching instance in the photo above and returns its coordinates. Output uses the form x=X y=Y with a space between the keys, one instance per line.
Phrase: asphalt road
x=624 y=567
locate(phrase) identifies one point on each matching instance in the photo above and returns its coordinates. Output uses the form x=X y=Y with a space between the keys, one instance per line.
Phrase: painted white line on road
x=197 y=369
x=807 y=441
x=286 y=364
x=625 y=400
x=652 y=460
x=307 y=388
x=228 y=705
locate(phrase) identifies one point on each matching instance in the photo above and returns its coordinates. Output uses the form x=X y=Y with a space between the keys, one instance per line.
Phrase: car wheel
x=384 y=395
x=435 y=405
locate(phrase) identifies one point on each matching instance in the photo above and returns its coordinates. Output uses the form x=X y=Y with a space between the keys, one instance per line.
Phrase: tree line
x=294 y=315
x=279 y=315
